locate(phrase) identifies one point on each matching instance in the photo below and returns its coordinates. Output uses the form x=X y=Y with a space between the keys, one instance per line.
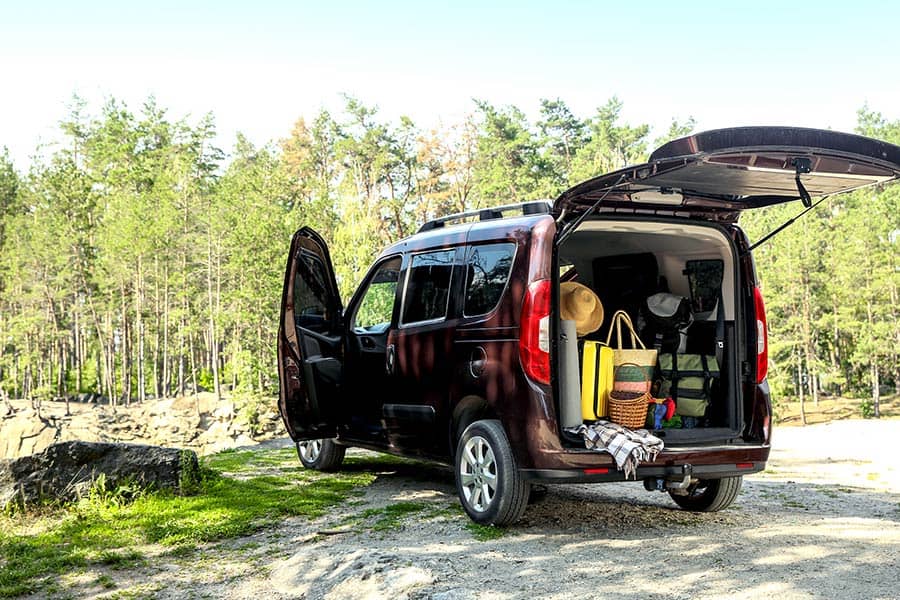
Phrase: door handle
x=477 y=362
x=367 y=342
x=390 y=359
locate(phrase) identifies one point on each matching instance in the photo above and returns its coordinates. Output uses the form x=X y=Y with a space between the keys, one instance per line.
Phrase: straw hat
x=579 y=303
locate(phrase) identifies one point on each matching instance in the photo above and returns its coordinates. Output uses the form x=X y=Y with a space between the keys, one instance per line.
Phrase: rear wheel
x=490 y=487
x=710 y=495
x=322 y=455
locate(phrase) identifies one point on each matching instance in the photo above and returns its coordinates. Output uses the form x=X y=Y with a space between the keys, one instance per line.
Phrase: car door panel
x=310 y=341
x=371 y=316
x=423 y=353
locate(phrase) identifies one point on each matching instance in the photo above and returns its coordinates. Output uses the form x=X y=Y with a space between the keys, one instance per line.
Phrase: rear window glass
x=705 y=280
x=428 y=287
x=488 y=270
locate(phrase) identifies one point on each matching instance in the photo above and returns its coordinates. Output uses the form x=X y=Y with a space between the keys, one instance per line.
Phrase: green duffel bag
x=688 y=378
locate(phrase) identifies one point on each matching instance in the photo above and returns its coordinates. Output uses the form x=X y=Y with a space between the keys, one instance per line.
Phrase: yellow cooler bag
x=596 y=380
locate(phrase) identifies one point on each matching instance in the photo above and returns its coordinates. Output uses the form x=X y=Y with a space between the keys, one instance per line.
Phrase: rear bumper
x=673 y=472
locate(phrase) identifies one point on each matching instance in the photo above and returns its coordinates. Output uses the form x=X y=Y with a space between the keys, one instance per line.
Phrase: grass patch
x=104 y=530
x=485 y=533
x=105 y=581
x=451 y=511
x=120 y=559
x=390 y=516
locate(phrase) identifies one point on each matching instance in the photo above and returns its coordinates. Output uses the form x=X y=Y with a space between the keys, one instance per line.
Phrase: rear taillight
x=534 y=331
x=762 y=337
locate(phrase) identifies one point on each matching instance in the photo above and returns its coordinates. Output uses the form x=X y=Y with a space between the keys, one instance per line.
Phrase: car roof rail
x=535 y=207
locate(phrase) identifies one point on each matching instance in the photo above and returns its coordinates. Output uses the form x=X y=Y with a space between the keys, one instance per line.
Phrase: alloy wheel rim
x=310 y=450
x=478 y=473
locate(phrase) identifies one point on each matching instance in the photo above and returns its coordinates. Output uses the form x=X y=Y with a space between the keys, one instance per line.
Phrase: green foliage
x=509 y=166
x=377 y=305
x=205 y=379
x=111 y=529
x=612 y=145
x=136 y=261
x=123 y=493
x=867 y=409
x=250 y=408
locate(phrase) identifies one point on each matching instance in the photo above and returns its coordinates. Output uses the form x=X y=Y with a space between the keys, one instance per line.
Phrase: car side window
x=488 y=269
x=311 y=293
x=377 y=305
x=428 y=287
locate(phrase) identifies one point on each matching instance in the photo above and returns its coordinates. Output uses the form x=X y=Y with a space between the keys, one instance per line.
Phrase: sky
x=258 y=66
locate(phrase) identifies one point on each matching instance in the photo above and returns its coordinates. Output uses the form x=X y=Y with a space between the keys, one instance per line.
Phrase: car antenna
x=564 y=235
x=786 y=224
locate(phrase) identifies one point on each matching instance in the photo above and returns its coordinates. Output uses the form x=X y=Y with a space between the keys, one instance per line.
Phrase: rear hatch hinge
x=802 y=165
x=570 y=227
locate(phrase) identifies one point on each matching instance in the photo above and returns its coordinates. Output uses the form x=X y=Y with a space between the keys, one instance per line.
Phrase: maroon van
x=450 y=348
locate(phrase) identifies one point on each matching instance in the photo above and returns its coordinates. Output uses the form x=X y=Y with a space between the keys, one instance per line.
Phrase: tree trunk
x=213 y=345
x=259 y=370
x=800 y=387
x=166 y=376
x=126 y=350
x=79 y=357
x=876 y=391
x=9 y=407
x=139 y=321
x=192 y=363
x=157 y=390
x=835 y=344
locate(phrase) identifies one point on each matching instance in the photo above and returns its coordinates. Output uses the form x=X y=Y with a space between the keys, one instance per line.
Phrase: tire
x=483 y=457
x=710 y=495
x=321 y=455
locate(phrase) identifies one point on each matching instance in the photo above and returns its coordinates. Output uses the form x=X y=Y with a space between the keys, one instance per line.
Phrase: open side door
x=719 y=173
x=310 y=341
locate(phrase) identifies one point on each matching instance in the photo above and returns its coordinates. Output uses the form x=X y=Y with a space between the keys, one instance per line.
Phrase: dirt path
x=819 y=524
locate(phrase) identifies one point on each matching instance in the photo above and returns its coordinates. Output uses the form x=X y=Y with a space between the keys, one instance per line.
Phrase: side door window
x=487 y=273
x=427 y=293
x=375 y=311
x=311 y=293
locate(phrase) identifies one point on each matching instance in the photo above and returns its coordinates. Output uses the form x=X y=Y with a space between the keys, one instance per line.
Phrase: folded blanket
x=628 y=447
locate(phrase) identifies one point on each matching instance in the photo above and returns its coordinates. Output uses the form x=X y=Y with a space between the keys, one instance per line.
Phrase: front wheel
x=322 y=455
x=710 y=495
x=490 y=486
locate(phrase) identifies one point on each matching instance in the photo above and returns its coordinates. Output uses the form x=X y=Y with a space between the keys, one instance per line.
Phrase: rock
x=454 y=594
x=66 y=470
x=224 y=412
x=23 y=433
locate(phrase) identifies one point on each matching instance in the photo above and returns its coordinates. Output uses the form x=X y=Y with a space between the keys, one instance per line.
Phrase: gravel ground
x=822 y=522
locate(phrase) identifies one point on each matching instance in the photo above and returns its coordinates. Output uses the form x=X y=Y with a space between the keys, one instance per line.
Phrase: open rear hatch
x=710 y=178
x=722 y=172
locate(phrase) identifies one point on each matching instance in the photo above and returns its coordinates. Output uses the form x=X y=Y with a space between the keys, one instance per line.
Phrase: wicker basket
x=628 y=408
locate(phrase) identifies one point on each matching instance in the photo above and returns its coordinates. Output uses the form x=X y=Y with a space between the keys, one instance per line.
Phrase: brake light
x=762 y=337
x=534 y=331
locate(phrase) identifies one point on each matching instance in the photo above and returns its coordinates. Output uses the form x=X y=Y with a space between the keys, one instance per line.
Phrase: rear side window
x=488 y=270
x=428 y=287
x=705 y=280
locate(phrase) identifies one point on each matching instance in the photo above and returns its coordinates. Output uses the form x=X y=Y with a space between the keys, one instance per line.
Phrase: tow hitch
x=679 y=485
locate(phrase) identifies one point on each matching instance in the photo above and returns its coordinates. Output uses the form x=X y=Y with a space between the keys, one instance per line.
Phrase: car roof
x=457 y=235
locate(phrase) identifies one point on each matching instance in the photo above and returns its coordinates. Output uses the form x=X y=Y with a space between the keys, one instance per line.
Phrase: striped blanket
x=628 y=447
